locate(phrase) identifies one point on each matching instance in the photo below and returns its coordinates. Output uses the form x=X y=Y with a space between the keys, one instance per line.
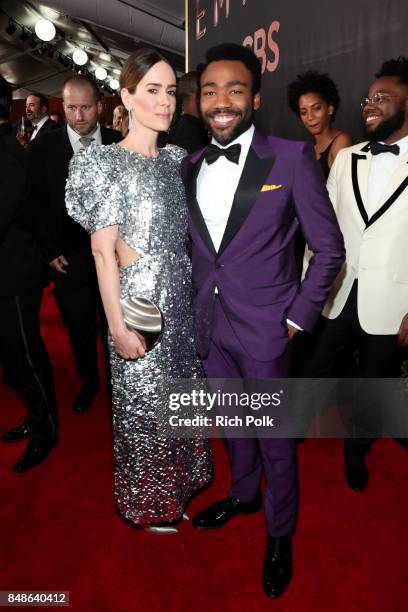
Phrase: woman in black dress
x=315 y=99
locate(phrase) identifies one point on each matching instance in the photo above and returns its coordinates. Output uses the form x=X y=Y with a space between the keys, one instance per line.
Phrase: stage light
x=51 y=51
x=60 y=59
x=33 y=42
x=80 y=57
x=101 y=74
x=45 y=30
x=11 y=28
x=24 y=35
x=114 y=84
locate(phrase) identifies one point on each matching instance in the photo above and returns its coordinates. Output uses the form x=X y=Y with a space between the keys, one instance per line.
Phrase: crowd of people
x=204 y=230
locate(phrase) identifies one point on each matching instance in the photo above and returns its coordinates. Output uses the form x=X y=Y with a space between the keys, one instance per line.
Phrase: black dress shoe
x=33 y=455
x=21 y=432
x=85 y=397
x=277 y=569
x=356 y=472
x=222 y=511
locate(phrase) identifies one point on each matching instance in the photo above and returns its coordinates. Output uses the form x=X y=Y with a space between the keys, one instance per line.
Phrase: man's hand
x=291 y=331
x=59 y=263
x=403 y=332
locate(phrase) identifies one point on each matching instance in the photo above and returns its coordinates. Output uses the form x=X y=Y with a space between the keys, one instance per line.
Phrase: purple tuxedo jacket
x=255 y=270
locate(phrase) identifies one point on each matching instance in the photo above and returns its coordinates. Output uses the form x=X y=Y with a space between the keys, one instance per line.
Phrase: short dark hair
x=187 y=86
x=313 y=82
x=83 y=80
x=6 y=98
x=395 y=68
x=43 y=99
x=235 y=53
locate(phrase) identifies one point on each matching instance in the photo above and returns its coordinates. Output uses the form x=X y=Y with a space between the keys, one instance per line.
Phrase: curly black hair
x=313 y=82
x=395 y=68
x=234 y=52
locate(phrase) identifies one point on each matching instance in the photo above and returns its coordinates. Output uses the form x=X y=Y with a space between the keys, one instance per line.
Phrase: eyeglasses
x=378 y=98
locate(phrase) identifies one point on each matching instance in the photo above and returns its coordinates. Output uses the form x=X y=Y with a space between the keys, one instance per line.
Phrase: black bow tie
x=378 y=147
x=232 y=153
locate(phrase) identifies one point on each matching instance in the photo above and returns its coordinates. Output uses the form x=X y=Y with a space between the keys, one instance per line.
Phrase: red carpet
x=60 y=531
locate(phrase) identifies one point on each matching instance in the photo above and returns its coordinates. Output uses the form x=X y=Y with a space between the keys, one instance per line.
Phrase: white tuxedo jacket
x=376 y=248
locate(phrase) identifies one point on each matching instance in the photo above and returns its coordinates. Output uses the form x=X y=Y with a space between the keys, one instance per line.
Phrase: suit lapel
x=360 y=167
x=397 y=184
x=193 y=168
x=258 y=164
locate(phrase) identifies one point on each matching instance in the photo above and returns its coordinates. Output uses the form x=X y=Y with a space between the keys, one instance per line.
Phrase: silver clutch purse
x=144 y=317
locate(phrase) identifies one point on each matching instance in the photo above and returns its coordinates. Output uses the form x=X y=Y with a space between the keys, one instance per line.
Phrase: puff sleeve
x=92 y=198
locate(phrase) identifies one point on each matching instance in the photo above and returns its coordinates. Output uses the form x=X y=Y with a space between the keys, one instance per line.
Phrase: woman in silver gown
x=130 y=198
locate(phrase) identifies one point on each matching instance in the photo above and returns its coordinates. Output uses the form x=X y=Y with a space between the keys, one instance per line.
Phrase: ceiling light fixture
x=11 y=28
x=45 y=30
x=114 y=84
x=101 y=74
x=80 y=57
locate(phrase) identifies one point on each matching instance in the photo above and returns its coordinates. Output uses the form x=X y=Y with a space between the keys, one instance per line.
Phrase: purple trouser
x=227 y=358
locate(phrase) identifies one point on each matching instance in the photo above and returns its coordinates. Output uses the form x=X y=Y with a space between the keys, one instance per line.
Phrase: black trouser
x=25 y=357
x=331 y=350
x=77 y=305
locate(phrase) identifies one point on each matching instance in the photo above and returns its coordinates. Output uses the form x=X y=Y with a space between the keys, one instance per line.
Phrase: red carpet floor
x=60 y=531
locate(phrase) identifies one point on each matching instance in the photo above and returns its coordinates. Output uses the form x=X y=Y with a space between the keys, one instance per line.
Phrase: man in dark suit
x=37 y=113
x=22 y=351
x=189 y=132
x=247 y=193
x=64 y=243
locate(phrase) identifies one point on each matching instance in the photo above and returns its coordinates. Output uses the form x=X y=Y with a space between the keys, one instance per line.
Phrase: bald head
x=82 y=105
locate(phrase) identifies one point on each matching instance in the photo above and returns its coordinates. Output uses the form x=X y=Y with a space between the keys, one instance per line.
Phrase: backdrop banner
x=349 y=40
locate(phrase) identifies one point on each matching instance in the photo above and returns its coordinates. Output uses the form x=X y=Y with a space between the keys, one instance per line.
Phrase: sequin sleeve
x=92 y=198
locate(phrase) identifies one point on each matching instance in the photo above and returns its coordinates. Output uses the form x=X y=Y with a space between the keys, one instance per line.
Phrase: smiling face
x=226 y=100
x=386 y=118
x=315 y=113
x=154 y=101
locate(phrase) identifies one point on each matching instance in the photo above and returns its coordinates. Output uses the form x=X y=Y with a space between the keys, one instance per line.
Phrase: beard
x=238 y=129
x=387 y=127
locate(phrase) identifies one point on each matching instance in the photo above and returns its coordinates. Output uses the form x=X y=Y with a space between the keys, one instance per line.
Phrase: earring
x=131 y=124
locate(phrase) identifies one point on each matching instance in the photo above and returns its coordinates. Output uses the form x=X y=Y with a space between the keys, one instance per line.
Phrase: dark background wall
x=349 y=39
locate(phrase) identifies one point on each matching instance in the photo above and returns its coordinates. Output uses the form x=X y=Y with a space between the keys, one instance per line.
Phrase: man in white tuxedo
x=367 y=308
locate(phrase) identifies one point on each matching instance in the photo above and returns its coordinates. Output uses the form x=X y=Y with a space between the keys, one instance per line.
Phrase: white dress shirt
x=382 y=168
x=38 y=127
x=217 y=184
x=74 y=137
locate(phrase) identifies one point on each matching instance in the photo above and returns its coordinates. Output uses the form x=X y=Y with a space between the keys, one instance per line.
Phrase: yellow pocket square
x=271 y=187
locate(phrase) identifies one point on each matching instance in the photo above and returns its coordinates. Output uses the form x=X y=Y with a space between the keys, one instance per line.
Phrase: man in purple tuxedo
x=247 y=193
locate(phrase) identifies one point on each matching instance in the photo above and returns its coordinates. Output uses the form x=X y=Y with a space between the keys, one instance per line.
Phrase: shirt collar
x=74 y=136
x=41 y=123
x=402 y=143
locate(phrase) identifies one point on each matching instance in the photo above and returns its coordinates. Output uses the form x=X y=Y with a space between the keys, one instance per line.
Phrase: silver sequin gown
x=144 y=196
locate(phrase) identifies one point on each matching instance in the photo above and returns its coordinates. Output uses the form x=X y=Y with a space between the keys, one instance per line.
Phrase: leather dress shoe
x=356 y=472
x=21 y=432
x=277 y=569
x=33 y=455
x=85 y=397
x=222 y=511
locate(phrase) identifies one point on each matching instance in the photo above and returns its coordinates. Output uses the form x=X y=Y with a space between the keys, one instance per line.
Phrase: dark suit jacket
x=21 y=269
x=45 y=128
x=48 y=159
x=189 y=133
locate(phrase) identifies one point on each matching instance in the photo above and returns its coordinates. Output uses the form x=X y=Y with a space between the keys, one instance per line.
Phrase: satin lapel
x=193 y=168
x=360 y=166
x=253 y=176
x=398 y=183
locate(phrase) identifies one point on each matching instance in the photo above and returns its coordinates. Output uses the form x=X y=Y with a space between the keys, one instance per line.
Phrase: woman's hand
x=129 y=344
